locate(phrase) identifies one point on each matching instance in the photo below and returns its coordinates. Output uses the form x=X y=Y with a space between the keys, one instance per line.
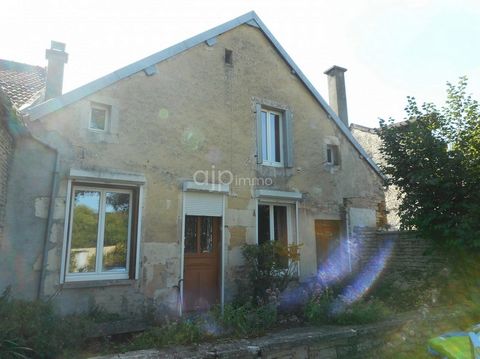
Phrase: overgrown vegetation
x=434 y=159
x=327 y=306
x=270 y=268
x=34 y=330
x=453 y=307
x=172 y=333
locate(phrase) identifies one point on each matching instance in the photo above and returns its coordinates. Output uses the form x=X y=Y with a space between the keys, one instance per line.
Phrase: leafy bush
x=33 y=329
x=433 y=159
x=270 y=267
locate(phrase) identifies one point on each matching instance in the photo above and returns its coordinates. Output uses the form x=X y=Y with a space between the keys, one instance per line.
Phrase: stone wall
x=394 y=254
x=328 y=342
x=6 y=150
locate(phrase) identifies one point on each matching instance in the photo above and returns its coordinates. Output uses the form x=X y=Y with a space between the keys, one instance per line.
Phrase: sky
x=391 y=48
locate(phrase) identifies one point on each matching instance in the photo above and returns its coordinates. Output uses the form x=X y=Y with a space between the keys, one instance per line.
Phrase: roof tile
x=20 y=82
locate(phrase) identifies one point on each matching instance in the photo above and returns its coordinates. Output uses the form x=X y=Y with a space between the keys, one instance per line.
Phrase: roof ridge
x=19 y=66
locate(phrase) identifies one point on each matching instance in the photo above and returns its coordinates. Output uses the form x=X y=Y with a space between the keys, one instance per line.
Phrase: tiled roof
x=21 y=81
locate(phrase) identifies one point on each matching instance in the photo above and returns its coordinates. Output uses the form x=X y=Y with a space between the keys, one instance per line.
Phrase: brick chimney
x=336 y=91
x=57 y=58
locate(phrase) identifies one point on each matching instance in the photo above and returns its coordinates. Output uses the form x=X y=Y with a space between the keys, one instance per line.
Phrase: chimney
x=336 y=91
x=57 y=58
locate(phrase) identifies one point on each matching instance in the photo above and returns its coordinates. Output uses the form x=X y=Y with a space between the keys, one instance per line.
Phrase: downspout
x=51 y=210
x=349 y=254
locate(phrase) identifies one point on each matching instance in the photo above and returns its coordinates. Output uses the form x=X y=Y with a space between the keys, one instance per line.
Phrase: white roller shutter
x=203 y=204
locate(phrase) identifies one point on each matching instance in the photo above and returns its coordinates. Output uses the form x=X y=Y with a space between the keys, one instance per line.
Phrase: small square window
x=99 y=117
x=333 y=155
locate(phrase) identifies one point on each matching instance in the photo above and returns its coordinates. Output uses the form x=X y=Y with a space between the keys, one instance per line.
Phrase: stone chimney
x=337 y=93
x=57 y=58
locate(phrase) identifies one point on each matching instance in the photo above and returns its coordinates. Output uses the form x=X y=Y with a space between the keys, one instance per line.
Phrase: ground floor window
x=272 y=223
x=102 y=233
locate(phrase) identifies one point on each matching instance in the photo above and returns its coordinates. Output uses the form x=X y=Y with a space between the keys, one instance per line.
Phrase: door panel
x=202 y=262
x=327 y=233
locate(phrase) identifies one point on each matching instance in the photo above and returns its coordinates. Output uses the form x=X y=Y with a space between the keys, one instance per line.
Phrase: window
x=102 y=233
x=272 y=223
x=272 y=137
x=272 y=226
x=333 y=156
x=228 y=57
x=99 y=117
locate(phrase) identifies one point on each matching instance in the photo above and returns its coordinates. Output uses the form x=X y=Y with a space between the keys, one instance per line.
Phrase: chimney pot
x=57 y=58
x=337 y=93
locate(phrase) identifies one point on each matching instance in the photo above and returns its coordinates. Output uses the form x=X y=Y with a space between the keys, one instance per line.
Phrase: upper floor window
x=333 y=155
x=272 y=138
x=99 y=117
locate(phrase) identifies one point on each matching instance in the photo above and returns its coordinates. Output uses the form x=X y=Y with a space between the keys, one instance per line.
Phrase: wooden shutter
x=288 y=139
x=258 y=109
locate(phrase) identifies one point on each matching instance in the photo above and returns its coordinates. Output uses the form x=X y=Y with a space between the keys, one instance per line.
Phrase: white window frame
x=99 y=106
x=271 y=205
x=98 y=275
x=270 y=142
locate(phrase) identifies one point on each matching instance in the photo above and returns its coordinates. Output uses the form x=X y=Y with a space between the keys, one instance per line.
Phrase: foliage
x=270 y=267
x=434 y=159
x=173 y=333
x=33 y=329
x=248 y=320
x=327 y=307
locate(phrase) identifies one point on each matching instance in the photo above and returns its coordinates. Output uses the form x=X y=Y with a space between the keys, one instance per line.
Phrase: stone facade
x=371 y=142
x=194 y=112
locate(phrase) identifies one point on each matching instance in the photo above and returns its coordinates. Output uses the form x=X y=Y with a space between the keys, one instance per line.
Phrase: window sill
x=98 y=283
x=273 y=164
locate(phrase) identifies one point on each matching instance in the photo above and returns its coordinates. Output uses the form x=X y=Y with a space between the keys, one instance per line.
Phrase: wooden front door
x=201 y=287
x=327 y=233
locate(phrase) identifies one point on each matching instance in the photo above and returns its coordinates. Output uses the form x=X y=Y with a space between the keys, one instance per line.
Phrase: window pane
x=276 y=122
x=280 y=231
x=99 y=119
x=264 y=136
x=115 y=240
x=190 y=234
x=206 y=235
x=263 y=224
x=329 y=155
x=83 y=248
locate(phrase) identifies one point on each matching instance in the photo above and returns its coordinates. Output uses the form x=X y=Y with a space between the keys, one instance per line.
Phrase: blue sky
x=391 y=48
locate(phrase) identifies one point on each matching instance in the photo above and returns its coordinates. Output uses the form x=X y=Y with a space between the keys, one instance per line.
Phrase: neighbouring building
x=371 y=142
x=153 y=177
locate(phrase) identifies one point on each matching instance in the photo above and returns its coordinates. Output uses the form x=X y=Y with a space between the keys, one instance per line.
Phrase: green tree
x=434 y=159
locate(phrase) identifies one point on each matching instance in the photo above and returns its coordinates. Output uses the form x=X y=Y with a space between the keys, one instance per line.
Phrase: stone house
x=153 y=177
x=371 y=142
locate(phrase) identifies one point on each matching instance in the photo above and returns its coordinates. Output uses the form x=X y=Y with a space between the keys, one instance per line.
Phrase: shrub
x=33 y=329
x=270 y=267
